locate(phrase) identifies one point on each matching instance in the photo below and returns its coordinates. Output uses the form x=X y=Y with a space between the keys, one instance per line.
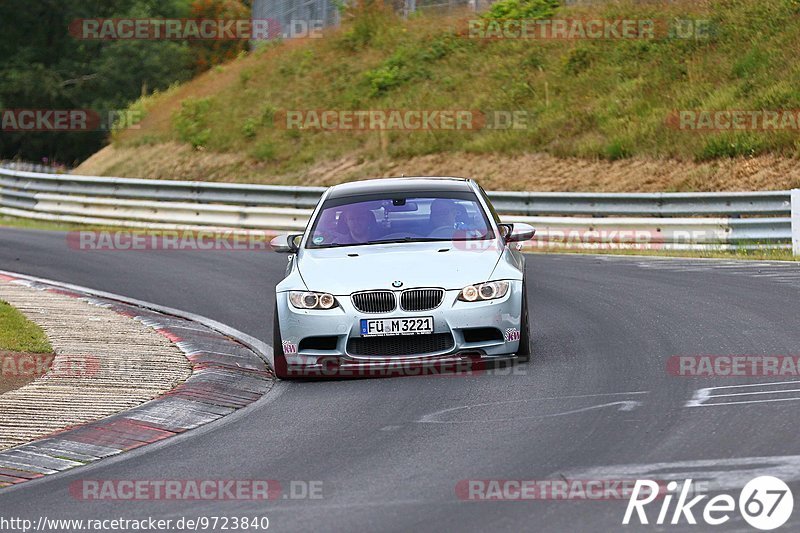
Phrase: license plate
x=396 y=326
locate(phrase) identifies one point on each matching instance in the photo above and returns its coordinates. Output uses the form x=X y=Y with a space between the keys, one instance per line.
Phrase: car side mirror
x=517 y=232
x=286 y=244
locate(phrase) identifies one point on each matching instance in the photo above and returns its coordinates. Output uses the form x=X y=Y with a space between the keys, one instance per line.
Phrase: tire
x=524 y=351
x=281 y=366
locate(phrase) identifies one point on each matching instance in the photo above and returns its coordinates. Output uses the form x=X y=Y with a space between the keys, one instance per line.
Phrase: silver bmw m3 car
x=401 y=273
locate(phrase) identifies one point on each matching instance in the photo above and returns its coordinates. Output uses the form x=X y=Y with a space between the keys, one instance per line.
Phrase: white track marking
x=624 y=405
x=704 y=397
x=749 y=401
x=700 y=396
x=782 y=391
x=765 y=384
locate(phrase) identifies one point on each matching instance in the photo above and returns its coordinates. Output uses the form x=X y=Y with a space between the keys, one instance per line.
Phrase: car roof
x=415 y=184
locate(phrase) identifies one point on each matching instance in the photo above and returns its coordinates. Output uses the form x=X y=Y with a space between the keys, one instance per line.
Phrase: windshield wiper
x=405 y=239
x=332 y=245
x=388 y=241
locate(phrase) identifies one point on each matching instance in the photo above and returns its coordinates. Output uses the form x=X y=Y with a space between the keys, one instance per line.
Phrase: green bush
x=384 y=78
x=264 y=152
x=191 y=121
x=721 y=146
x=403 y=65
x=249 y=128
x=522 y=9
x=616 y=150
x=750 y=63
x=268 y=114
x=577 y=60
x=244 y=76
x=441 y=47
x=364 y=22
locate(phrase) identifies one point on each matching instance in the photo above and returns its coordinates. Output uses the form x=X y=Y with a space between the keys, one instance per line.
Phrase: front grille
x=374 y=301
x=421 y=299
x=400 y=344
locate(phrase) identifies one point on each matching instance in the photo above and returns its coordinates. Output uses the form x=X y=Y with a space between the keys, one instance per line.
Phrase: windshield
x=399 y=218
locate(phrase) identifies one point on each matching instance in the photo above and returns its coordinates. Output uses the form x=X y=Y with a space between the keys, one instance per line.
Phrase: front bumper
x=459 y=319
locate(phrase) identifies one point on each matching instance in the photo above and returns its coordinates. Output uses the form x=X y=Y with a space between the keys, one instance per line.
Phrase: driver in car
x=359 y=223
x=355 y=224
x=443 y=217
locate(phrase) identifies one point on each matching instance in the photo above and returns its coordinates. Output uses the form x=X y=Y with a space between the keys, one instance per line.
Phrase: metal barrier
x=33 y=167
x=668 y=220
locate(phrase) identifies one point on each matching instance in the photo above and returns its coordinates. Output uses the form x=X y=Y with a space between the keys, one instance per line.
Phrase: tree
x=42 y=66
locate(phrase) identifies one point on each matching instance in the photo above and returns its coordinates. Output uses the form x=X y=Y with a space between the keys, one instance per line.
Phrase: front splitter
x=343 y=367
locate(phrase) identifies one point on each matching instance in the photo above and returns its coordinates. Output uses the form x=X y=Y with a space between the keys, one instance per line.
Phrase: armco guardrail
x=672 y=220
x=773 y=203
x=33 y=167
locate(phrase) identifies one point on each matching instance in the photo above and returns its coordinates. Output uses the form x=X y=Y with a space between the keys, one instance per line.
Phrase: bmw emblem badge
x=397 y=284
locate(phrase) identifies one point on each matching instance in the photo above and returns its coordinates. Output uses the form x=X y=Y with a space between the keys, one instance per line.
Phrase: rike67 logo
x=765 y=503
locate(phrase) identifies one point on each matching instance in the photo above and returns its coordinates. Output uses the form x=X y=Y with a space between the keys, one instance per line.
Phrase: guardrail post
x=796 y=221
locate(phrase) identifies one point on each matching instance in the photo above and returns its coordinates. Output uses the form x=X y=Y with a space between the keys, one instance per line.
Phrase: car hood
x=344 y=270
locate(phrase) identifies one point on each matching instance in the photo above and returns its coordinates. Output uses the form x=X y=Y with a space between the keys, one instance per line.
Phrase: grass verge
x=18 y=335
x=45 y=225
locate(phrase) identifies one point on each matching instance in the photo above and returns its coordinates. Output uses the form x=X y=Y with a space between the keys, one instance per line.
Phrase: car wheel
x=524 y=352
x=281 y=366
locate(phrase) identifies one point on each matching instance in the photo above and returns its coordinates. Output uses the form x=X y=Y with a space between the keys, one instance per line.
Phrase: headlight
x=312 y=300
x=485 y=291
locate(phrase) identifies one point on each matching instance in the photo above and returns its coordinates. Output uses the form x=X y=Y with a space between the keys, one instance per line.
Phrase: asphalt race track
x=596 y=402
